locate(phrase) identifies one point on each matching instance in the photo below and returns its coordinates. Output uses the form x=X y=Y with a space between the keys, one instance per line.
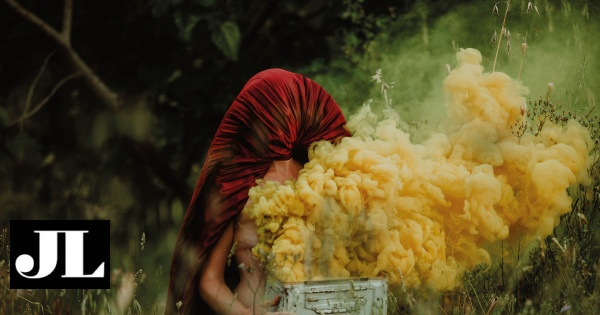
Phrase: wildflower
x=125 y=292
x=139 y=276
x=558 y=244
x=582 y=218
x=565 y=309
x=523 y=109
x=549 y=90
x=377 y=76
x=143 y=241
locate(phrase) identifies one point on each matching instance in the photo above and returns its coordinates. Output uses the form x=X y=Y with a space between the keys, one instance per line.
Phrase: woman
x=265 y=134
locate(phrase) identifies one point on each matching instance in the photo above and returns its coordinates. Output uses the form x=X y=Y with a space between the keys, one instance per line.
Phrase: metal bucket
x=340 y=296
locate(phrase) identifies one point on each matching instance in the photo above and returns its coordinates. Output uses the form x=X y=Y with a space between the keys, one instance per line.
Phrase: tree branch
x=105 y=94
x=33 y=86
x=109 y=97
x=67 y=20
x=35 y=20
x=43 y=102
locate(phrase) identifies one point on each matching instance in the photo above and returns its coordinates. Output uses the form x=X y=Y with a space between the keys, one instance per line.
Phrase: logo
x=60 y=254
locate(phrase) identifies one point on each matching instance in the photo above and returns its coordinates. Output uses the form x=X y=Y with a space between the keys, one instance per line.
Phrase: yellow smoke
x=378 y=204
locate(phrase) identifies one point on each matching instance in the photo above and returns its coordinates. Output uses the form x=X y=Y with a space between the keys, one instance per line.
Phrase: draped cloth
x=276 y=116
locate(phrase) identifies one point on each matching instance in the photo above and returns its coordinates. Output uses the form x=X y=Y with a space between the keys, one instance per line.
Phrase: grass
x=558 y=275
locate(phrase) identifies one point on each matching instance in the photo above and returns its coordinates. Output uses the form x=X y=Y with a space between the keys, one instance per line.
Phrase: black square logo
x=60 y=254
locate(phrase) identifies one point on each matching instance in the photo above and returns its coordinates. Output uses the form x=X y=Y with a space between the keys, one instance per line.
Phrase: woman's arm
x=213 y=289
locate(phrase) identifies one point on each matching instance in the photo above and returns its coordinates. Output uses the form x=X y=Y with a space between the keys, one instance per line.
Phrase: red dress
x=276 y=116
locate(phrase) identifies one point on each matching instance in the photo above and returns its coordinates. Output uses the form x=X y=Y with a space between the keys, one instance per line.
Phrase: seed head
x=565 y=309
x=523 y=109
x=495 y=9
x=582 y=218
x=549 y=89
x=523 y=48
x=143 y=241
x=562 y=249
x=377 y=76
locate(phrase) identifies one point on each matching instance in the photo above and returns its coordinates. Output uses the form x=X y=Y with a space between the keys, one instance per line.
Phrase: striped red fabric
x=276 y=116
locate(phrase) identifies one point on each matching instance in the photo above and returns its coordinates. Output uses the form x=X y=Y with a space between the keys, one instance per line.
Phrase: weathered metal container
x=364 y=296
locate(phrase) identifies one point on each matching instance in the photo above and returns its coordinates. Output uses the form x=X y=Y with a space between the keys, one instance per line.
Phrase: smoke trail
x=422 y=214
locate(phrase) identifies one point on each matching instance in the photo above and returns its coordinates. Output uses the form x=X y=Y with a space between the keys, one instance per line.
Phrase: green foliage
x=227 y=38
x=186 y=24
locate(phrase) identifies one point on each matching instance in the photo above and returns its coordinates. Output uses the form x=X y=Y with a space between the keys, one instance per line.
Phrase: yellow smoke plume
x=421 y=214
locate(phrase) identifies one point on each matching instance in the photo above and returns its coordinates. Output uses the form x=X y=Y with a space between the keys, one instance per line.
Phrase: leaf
x=135 y=122
x=186 y=23
x=177 y=210
x=103 y=127
x=227 y=38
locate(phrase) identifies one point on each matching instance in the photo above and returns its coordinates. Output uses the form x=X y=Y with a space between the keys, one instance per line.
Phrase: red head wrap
x=276 y=116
